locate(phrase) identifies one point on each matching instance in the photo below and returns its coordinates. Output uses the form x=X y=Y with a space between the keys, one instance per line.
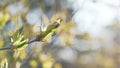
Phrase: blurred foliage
x=50 y=45
x=4 y=17
x=46 y=60
x=1 y=42
x=4 y=63
x=17 y=39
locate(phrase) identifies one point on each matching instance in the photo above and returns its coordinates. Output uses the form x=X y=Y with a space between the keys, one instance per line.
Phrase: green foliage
x=57 y=53
x=15 y=44
x=49 y=30
x=18 y=40
x=17 y=35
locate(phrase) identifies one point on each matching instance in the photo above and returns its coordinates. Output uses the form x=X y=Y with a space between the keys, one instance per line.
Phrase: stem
x=6 y=48
x=50 y=28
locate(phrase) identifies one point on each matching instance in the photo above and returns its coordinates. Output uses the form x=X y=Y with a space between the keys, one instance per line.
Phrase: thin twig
x=6 y=48
x=14 y=47
x=50 y=28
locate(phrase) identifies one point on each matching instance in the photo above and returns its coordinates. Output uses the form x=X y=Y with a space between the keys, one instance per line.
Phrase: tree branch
x=50 y=28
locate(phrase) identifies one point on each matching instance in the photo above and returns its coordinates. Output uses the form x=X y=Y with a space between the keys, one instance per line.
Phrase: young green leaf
x=17 y=39
x=47 y=32
x=21 y=45
x=17 y=35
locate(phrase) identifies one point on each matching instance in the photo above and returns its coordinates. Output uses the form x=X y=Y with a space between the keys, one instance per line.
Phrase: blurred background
x=89 y=37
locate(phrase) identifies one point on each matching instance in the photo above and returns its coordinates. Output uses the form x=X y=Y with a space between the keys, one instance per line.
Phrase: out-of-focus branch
x=6 y=48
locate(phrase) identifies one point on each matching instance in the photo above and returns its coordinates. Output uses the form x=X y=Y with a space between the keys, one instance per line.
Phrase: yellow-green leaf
x=49 y=30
